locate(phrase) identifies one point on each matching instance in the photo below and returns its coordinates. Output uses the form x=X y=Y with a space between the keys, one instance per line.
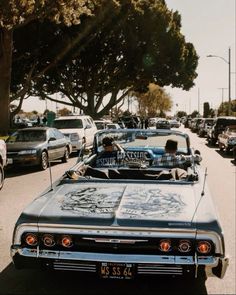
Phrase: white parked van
x=80 y=129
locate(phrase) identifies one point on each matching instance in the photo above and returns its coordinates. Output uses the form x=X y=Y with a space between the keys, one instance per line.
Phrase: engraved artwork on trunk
x=93 y=201
x=151 y=203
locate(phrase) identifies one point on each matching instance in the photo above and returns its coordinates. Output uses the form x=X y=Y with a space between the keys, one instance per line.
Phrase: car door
x=53 y=145
x=90 y=130
x=60 y=143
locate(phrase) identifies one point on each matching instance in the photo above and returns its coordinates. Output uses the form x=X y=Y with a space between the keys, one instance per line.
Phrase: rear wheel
x=44 y=161
x=66 y=156
x=221 y=147
x=227 y=150
x=1 y=176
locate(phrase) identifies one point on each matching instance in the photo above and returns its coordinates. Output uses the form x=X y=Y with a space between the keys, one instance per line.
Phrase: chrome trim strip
x=102 y=230
x=23 y=227
x=122 y=231
x=206 y=235
x=118 y=258
x=114 y=241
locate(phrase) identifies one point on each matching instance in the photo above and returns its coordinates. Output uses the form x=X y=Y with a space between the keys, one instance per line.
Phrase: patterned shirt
x=171 y=160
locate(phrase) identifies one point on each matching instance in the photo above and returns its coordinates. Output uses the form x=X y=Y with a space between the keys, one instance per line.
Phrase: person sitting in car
x=170 y=159
x=109 y=156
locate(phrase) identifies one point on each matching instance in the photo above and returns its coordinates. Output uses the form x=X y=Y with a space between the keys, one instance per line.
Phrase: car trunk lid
x=124 y=204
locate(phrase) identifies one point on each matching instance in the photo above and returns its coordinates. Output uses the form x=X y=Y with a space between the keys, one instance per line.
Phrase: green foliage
x=181 y=114
x=64 y=112
x=126 y=45
x=15 y=13
x=195 y=114
x=153 y=101
x=206 y=110
x=117 y=55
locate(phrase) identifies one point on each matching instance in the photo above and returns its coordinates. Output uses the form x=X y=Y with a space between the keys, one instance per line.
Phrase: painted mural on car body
x=131 y=222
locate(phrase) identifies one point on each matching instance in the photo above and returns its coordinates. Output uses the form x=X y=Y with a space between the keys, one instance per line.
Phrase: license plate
x=110 y=270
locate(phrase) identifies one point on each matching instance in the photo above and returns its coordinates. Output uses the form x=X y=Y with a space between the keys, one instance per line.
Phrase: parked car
x=131 y=121
x=101 y=124
x=121 y=124
x=3 y=161
x=162 y=124
x=152 y=121
x=80 y=129
x=227 y=139
x=127 y=218
x=218 y=126
x=204 y=126
x=36 y=146
x=113 y=126
x=195 y=123
x=174 y=123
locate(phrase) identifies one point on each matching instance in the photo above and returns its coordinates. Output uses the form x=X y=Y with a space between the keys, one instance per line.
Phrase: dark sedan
x=37 y=146
x=163 y=124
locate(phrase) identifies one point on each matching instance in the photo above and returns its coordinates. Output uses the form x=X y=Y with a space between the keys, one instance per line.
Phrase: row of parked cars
x=38 y=146
x=220 y=130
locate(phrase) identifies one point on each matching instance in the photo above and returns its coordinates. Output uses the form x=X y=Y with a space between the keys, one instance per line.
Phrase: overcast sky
x=210 y=26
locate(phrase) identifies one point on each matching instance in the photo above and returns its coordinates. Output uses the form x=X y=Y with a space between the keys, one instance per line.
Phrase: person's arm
x=190 y=158
x=117 y=147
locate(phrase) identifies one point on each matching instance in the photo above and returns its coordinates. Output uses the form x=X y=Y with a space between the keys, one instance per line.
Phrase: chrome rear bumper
x=146 y=264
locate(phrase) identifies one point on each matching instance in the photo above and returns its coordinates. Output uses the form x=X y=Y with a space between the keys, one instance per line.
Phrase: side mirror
x=88 y=126
x=52 y=139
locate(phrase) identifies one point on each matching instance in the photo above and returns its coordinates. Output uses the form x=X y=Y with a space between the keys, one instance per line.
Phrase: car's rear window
x=28 y=136
x=68 y=124
x=226 y=122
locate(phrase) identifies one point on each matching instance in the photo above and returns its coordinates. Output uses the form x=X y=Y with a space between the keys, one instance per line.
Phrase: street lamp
x=229 y=63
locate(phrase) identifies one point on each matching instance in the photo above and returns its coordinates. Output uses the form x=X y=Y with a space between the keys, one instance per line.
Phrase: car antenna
x=204 y=183
x=81 y=153
x=50 y=171
x=202 y=193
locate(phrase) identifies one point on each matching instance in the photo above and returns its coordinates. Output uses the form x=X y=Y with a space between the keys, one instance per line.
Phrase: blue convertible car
x=126 y=215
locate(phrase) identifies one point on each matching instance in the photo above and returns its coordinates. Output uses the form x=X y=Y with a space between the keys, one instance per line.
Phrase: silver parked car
x=36 y=146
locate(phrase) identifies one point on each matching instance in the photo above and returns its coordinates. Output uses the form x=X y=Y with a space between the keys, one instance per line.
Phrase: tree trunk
x=5 y=78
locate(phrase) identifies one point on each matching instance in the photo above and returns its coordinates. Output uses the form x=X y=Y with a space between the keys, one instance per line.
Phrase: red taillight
x=184 y=246
x=165 y=245
x=31 y=239
x=203 y=247
x=48 y=240
x=66 y=241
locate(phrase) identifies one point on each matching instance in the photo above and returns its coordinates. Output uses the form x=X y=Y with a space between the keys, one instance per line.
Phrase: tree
x=195 y=114
x=153 y=101
x=16 y=14
x=181 y=114
x=121 y=57
x=206 y=110
x=64 y=112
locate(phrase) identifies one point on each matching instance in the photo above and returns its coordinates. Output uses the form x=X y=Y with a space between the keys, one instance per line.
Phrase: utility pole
x=229 y=76
x=198 y=95
x=222 y=96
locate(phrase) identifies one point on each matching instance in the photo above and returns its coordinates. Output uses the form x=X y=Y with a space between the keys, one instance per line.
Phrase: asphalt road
x=22 y=186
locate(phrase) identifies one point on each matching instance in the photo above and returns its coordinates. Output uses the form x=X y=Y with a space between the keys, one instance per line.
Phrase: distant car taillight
x=48 y=240
x=184 y=246
x=67 y=241
x=203 y=247
x=31 y=239
x=165 y=245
